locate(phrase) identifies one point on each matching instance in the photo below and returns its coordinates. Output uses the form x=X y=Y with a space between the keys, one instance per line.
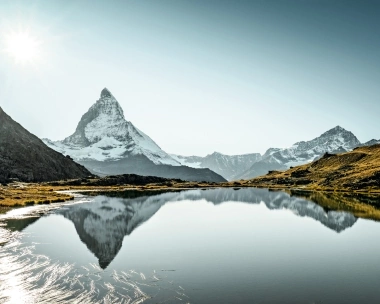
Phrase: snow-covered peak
x=103 y=133
x=339 y=131
x=372 y=142
x=331 y=140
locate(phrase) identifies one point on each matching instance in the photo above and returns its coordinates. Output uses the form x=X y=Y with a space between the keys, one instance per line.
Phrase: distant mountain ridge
x=335 y=140
x=106 y=143
x=229 y=166
x=25 y=157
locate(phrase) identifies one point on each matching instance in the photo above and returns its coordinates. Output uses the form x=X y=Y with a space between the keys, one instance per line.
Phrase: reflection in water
x=26 y=277
x=102 y=223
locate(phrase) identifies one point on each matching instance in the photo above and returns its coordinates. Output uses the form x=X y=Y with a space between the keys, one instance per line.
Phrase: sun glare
x=23 y=47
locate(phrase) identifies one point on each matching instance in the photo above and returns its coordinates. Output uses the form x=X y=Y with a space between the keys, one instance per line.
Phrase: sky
x=197 y=76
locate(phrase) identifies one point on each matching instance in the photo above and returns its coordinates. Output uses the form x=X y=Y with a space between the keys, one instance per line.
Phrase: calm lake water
x=196 y=246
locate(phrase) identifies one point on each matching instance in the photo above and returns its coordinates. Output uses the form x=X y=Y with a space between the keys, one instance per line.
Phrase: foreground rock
x=25 y=157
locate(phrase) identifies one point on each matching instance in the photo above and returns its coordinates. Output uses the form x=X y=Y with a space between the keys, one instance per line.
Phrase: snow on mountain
x=104 y=134
x=336 y=140
x=371 y=142
x=233 y=167
x=229 y=166
x=107 y=144
x=191 y=161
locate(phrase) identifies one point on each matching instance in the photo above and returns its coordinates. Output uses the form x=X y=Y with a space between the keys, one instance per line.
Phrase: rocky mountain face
x=336 y=140
x=25 y=157
x=106 y=143
x=228 y=166
x=234 y=167
x=371 y=142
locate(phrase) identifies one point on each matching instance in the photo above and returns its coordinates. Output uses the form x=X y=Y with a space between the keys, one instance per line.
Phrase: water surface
x=197 y=246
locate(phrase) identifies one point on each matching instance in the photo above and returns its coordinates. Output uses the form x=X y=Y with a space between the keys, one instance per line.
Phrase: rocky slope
x=106 y=143
x=228 y=166
x=355 y=170
x=25 y=157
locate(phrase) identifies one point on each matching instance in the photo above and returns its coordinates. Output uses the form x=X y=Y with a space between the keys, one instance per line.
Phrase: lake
x=194 y=246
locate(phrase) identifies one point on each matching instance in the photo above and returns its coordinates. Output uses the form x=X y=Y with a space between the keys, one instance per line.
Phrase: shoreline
x=361 y=204
x=20 y=194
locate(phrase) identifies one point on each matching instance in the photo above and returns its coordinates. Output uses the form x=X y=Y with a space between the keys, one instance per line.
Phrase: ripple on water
x=27 y=277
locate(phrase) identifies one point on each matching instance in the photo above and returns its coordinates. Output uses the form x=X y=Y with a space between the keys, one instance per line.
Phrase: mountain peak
x=338 y=128
x=216 y=153
x=105 y=93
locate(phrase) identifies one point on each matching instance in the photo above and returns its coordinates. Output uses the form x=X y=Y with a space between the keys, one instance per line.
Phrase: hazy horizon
x=234 y=77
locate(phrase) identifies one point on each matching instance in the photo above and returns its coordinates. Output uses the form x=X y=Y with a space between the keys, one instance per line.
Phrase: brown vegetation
x=355 y=171
x=21 y=194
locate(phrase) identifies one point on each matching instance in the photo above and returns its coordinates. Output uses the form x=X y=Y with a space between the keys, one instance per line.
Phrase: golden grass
x=355 y=171
x=24 y=194
x=20 y=194
x=362 y=206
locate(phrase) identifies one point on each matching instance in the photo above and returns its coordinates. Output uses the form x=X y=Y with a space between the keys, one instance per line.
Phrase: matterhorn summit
x=106 y=143
x=103 y=133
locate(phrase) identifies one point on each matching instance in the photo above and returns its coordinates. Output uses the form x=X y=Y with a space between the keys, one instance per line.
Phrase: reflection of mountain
x=103 y=222
x=335 y=220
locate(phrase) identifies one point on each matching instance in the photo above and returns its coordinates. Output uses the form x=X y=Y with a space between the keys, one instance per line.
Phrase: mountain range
x=234 y=167
x=24 y=157
x=106 y=143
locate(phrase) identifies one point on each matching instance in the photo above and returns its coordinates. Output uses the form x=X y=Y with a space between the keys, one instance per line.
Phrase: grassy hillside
x=358 y=170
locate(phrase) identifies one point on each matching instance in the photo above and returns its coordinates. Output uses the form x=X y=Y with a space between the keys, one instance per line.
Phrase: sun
x=22 y=47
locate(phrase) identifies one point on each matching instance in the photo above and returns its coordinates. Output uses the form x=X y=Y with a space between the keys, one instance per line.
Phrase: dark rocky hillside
x=25 y=157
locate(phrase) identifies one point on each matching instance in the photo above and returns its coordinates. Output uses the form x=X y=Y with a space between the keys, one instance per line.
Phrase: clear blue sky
x=198 y=75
